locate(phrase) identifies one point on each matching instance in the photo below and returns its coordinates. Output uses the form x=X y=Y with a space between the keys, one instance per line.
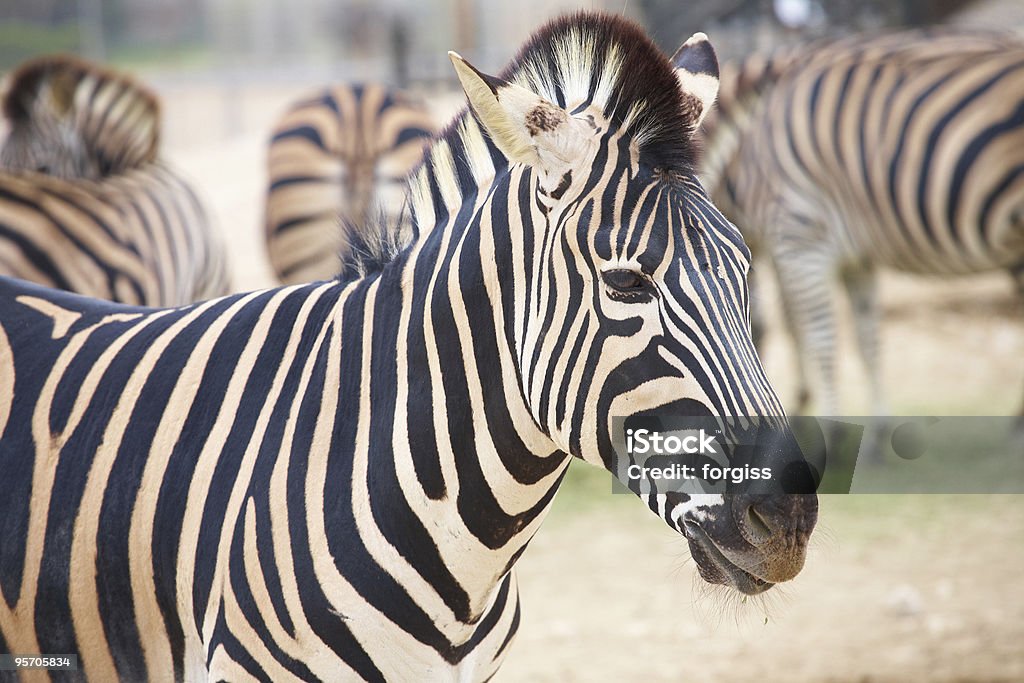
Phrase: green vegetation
x=135 y=56
x=20 y=41
x=587 y=488
x=23 y=40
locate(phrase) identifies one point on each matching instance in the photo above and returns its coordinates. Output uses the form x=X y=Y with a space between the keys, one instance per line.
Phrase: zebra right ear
x=697 y=70
x=526 y=127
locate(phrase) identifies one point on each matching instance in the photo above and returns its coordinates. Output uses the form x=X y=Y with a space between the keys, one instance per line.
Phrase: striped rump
x=338 y=161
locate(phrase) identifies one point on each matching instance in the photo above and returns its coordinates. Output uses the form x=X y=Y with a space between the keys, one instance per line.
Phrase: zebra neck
x=456 y=173
x=445 y=455
x=465 y=462
x=743 y=87
x=722 y=139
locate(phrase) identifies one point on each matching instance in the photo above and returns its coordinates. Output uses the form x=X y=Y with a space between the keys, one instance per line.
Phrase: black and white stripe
x=334 y=480
x=336 y=161
x=901 y=151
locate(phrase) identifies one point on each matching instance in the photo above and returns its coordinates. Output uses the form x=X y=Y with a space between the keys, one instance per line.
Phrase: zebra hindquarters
x=304 y=207
x=336 y=162
x=140 y=238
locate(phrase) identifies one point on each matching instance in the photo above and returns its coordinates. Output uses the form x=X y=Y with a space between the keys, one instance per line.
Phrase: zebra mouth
x=729 y=572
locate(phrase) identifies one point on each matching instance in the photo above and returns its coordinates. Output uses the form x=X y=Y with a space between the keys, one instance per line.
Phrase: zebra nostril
x=757 y=529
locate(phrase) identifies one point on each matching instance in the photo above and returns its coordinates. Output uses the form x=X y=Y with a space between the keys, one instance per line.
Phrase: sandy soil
x=924 y=588
x=911 y=588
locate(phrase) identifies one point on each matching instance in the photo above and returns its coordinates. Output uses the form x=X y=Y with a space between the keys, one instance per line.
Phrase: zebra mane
x=600 y=59
x=608 y=61
x=370 y=246
x=85 y=95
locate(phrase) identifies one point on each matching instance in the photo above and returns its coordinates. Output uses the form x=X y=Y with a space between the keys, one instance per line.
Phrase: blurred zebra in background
x=904 y=151
x=72 y=119
x=335 y=161
x=334 y=480
x=85 y=203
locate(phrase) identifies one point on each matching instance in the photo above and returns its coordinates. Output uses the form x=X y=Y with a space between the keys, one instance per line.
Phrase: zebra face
x=663 y=284
x=631 y=299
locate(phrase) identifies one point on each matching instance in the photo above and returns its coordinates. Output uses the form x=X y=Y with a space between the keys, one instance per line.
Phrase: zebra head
x=625 y=293
x=71 y=119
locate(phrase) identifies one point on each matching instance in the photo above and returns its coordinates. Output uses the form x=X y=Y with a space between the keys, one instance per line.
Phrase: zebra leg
x=803 y=400
x=860 y=281
x=804 y=288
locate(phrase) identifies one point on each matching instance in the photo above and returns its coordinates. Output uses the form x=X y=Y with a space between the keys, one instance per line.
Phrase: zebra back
x=85 y=205
x=141 y=237
x=899 y=149
x=746 y=84
x=74 y=119
x=335 y=161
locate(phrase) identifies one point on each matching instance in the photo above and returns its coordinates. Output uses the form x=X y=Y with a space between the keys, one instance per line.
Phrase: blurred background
x=897 y=588
x=243 y=53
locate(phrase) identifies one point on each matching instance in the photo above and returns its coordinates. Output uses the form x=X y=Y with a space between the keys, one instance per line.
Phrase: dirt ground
x=896 y=588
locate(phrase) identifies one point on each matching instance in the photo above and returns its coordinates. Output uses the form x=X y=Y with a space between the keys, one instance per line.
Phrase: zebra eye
x=627 y=284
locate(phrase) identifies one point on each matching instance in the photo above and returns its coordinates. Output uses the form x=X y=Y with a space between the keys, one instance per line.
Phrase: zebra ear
x=526 y=127
x=697 y=70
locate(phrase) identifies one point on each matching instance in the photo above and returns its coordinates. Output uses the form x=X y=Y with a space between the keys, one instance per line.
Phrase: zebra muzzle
x=715 y=567
x=755 y=542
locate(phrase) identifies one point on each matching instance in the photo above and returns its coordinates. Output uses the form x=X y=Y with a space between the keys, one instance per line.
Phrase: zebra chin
x=715 y=568
x=751 y=542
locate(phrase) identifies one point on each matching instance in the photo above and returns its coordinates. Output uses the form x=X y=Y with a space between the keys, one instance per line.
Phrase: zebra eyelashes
x=623 y=280
x=628 y=285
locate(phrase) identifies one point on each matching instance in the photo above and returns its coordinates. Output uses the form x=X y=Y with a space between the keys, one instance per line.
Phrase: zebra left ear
x=526 y=127
x=697 y=70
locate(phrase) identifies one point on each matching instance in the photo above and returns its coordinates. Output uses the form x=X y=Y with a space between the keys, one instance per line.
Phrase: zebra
x=336 y=158
x=74 y=119
x=86 y=206
x=898 y=151
x=334 y=480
